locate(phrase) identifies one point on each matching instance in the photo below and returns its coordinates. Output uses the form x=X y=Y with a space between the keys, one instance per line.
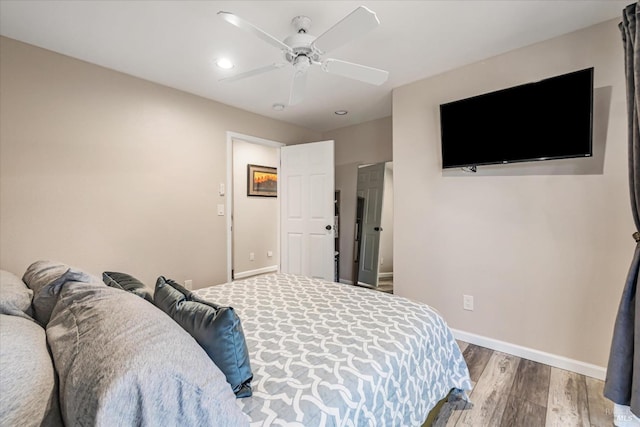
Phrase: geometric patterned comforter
x=330 y=354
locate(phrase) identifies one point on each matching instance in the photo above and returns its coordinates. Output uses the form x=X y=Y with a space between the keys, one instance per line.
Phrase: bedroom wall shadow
x=593 y=165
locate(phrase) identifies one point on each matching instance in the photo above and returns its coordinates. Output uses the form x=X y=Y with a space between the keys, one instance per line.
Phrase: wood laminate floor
x=512 y=392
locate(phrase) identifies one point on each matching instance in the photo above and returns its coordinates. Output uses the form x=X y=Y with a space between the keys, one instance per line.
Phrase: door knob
x=328 y=227
x=377 y=228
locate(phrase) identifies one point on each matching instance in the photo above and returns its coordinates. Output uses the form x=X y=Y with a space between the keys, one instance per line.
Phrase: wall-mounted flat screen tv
x=548 y=119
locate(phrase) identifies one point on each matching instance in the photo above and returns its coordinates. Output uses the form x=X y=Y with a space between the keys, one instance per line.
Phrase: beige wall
x=255 y=219
x=369 y=142
x=102 y=170
x=545 y=254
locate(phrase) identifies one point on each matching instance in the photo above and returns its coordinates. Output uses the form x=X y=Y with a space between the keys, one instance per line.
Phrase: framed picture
x=262 y=181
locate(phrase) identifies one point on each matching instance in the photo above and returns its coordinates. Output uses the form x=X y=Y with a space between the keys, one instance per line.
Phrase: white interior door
x=371 y=188
x=306 y=180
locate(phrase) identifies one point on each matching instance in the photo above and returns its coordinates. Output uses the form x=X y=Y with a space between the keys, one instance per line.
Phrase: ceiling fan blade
x=297 y=87
x=354 y=24
x=363 y=73
x=252 y=73
x=248 y=26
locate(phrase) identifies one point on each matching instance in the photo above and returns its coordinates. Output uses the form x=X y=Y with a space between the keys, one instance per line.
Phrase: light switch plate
x=220 y=210
x=467 y=302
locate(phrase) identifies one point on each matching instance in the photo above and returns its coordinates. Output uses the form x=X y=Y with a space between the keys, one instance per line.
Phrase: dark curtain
x=623 y=373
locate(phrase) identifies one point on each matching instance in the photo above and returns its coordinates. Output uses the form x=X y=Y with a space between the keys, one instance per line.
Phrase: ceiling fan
x=302 y=50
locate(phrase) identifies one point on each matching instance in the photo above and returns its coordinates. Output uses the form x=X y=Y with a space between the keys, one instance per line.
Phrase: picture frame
x=262 y=181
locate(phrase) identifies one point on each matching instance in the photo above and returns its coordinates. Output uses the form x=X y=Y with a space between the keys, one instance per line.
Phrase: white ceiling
x=175 y=43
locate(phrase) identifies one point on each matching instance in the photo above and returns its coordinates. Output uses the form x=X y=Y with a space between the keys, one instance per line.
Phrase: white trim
x=554 y=360
x=229 y=203
x=229 y=190
x=366 y=285
x=263 y=270
x=385 y=275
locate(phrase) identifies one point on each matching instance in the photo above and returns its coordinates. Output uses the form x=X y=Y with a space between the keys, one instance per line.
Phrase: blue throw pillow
x=126 y=282
x=217 y=329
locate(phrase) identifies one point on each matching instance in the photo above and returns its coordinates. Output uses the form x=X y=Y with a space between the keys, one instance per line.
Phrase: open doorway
x=253 y=218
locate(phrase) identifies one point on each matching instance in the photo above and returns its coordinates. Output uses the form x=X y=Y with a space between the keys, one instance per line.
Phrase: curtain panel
x=623 y=372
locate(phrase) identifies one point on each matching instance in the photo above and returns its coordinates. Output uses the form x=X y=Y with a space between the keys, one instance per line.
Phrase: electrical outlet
x=269 y=254
x=467 y=302
x=252 y=256
x=381 y=260
x=188 y=284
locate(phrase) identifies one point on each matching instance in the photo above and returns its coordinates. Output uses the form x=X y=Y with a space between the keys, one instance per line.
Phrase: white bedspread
x=329 y=354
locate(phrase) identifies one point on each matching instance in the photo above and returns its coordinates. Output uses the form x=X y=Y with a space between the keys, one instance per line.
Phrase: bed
x=329 y=354
x=293 y=351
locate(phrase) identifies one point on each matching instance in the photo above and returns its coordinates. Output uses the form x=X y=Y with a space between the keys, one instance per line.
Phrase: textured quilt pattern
x=329 y=354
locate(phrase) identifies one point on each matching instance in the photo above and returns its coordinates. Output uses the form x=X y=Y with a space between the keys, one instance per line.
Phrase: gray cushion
x=45 y=279
x=128 y=283
x=121 y=361
x=15 y=296
x=217 y=329
x=28 y=385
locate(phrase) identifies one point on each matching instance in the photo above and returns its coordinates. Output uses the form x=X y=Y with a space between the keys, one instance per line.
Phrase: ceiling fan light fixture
x=340 y=112
x=301 y=64
x=224 y=63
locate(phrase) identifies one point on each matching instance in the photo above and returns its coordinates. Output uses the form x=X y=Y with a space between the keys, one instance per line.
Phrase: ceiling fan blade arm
x=249 y=27
x=358 y=22
x=363 y=73
x=251 y=73
x=298 y=86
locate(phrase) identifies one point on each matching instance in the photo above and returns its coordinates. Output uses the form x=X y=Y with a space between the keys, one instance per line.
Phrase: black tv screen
x=548 y=119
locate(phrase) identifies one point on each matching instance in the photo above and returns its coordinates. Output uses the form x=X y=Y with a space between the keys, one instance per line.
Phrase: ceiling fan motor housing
x=300 y=44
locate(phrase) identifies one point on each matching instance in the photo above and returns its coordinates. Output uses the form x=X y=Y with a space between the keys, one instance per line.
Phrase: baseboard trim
x=554 y=360
x=381 y=276
x=249 y=273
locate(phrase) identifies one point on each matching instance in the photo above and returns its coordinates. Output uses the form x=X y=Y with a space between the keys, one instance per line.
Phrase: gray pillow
x=121 y=361
x=45 y=278
x=15 y=296
x=217 y=329
x=28 y=383
x=128 y=283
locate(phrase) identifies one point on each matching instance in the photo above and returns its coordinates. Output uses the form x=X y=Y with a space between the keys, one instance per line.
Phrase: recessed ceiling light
x=224 y=63
x=340 y=112
x=278 y=107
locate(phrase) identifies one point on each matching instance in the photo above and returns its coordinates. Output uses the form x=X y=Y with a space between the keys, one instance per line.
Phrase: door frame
x=229 y=191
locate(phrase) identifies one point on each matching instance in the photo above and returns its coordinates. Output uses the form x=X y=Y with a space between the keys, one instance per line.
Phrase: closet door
x=371 y=189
